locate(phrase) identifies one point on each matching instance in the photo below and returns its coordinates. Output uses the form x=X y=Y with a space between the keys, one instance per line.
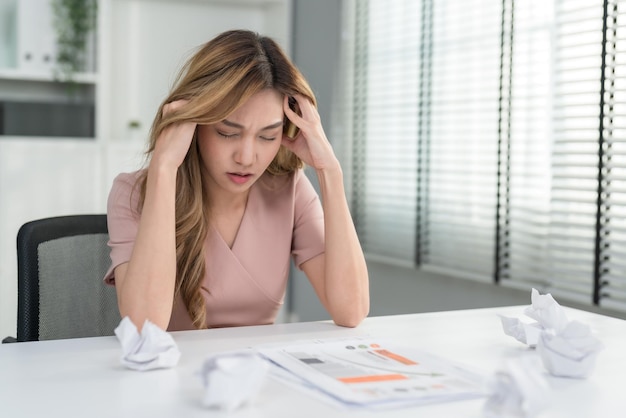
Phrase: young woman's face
x=237 y=150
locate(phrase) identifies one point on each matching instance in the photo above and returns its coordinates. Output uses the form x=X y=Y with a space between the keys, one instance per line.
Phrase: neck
x=224 y=203
x=221 y=201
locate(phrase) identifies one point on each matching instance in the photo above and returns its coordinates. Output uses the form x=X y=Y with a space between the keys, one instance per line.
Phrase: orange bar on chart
x=396 y=357
x=372 y=378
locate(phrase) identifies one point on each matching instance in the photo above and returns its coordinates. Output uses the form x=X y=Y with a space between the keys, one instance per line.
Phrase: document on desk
x=372 y=373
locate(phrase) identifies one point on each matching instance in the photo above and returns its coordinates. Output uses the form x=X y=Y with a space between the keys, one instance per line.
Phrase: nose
x=245 y=152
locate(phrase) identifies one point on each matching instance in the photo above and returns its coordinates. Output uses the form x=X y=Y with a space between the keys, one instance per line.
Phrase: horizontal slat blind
x=613 y=198
x=554 y=146
x=491 y=142
x=386 y=146
x=459 y=221
x=525 y=228
x=577 y=73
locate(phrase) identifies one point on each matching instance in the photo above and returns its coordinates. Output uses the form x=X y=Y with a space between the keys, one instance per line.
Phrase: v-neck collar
x=243 y=225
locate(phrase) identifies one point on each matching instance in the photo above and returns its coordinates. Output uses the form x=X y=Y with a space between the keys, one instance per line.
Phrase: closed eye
x=227 y=135
x=274 y=132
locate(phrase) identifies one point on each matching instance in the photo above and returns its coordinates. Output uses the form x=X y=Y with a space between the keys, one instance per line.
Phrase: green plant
x=73 y=21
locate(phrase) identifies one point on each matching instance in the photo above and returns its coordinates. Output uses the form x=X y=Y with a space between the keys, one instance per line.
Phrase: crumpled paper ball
x=572 y=352
x=526 y=333
x=516 y=390
x=232 y=379
x=547 y=313
x=151 y=349
x=567 y=348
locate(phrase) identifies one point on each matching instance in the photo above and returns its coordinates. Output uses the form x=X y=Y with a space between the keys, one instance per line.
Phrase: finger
x=174 y=106
x=291 y=126
x=307 y=109
x=291 y=114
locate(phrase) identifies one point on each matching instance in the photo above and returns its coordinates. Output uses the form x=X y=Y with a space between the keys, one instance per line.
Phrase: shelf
x=43 y=76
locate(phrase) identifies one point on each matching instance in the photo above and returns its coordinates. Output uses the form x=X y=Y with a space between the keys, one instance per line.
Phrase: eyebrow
x=236 y=125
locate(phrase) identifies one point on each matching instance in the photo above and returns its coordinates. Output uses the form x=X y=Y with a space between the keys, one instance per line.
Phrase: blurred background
x=482 y=142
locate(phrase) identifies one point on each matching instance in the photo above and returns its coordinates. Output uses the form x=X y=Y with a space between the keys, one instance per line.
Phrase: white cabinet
x=28 y=42
x=32 y=101
x=36 y=46
x=140 y=46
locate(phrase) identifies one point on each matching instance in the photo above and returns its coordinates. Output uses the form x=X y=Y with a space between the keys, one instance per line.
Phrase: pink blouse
x=246 y=284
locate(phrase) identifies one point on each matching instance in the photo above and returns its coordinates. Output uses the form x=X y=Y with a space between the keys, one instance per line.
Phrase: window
x=385 y=127
x=488 y=140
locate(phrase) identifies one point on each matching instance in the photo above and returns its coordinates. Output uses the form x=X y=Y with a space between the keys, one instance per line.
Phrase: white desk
x=83 y=377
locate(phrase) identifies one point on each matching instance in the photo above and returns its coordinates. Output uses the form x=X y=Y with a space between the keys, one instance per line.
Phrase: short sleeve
x=123 y=221
x=308 y=229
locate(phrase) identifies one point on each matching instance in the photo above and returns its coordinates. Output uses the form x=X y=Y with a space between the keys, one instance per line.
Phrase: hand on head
x=174 y=141
x=310 y=144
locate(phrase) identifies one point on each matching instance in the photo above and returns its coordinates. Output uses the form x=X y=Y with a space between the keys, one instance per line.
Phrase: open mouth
x=239 y=178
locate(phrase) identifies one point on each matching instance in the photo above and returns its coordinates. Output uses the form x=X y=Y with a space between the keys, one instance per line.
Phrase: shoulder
x=301 y=180
x=127 y=179
x=304 y=191
x=126 y=182
x=124 y=190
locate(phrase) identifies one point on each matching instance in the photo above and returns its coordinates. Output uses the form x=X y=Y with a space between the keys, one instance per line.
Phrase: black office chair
x=61 y=263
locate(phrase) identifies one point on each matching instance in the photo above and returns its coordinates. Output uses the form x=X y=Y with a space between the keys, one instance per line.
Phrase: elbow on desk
x=351 y=321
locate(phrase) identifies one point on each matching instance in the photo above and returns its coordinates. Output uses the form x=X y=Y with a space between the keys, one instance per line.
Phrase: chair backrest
x=60 y=265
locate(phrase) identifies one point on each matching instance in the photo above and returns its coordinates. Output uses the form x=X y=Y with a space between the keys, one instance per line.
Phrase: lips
x=239 y=178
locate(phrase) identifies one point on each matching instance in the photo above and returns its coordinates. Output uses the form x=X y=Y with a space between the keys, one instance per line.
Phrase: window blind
x=459 y=221
x=385 y=151
x=611 y=289
x=554 y=137
x=490 y=141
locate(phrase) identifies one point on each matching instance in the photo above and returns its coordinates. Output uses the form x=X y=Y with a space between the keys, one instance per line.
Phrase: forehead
x=266 y=101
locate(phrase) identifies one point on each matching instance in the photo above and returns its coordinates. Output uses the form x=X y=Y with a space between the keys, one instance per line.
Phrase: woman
x=203 y=236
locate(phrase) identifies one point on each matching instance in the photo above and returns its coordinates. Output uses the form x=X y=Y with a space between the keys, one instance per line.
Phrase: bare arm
x=145 y=285
x=339 y=276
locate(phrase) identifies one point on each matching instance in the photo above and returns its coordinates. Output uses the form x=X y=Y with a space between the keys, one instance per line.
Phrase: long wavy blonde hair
x=220 y=77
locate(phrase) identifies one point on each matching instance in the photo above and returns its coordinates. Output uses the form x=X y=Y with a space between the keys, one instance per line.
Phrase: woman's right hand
x=174 y=141
x=146 y=284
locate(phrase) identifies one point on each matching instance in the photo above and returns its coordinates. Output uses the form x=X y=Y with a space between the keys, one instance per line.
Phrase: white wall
x=142 y=44
x=316 y=31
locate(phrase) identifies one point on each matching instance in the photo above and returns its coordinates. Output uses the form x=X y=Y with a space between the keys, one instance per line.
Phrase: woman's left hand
x=311 y=144
x=338 y=275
